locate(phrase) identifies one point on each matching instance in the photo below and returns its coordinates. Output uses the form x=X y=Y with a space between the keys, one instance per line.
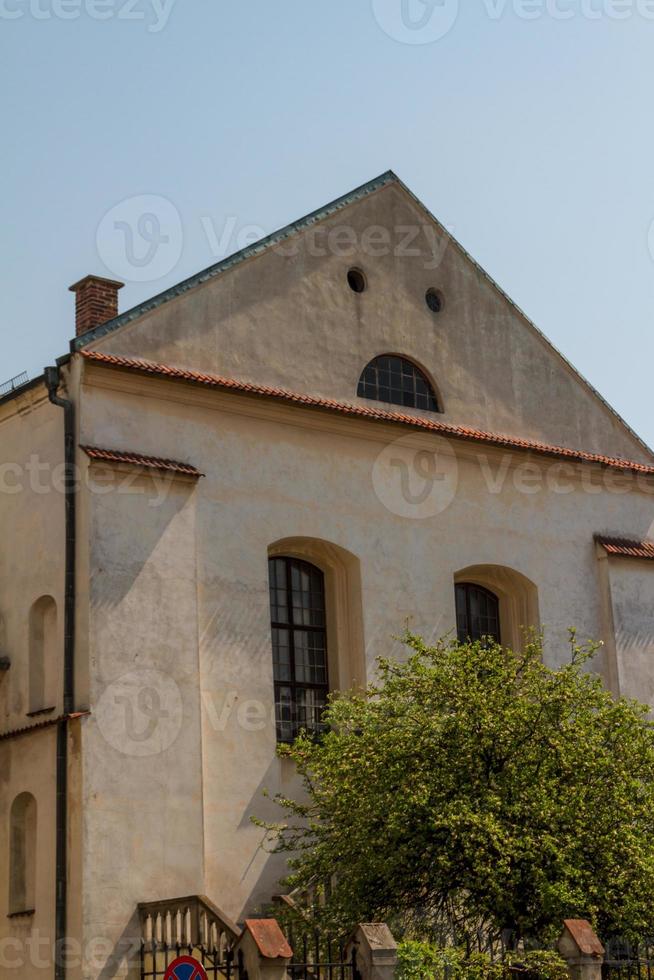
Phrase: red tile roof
x=624 y=548
x=359 y=411
x=138 y=459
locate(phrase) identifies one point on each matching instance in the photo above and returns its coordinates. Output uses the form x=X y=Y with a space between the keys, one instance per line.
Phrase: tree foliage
x=423 y=961
x=472 y=785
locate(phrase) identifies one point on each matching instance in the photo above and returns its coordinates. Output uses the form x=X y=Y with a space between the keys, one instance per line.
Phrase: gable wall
x=287 y=318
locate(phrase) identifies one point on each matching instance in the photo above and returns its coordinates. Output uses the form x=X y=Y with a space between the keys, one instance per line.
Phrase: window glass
x=477 y=613
x=299 y=641
x=394 y=379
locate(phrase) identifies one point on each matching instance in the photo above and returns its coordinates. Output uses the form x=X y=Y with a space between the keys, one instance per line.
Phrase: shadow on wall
x=129 y=524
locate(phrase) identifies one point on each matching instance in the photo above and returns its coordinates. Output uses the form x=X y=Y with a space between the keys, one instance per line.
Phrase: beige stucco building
x=352 y=411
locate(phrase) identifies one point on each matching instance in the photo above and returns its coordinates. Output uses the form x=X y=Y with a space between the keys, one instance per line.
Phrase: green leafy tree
x=473 y=787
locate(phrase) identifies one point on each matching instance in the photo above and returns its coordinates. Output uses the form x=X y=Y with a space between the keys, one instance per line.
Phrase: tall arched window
x=22 y=855
x=299 y=641
x=477 y=613
x=393 y=379
x=43 y=651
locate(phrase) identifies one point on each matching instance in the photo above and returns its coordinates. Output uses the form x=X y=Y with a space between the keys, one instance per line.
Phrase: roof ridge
x=345 y=408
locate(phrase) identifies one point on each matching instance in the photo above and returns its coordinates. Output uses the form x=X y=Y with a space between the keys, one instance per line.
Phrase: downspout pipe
x=52 y=379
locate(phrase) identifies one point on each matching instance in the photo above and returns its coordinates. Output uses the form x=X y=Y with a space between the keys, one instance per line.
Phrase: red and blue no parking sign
x=185 y=968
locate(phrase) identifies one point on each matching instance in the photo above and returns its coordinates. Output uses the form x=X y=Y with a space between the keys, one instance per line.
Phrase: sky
x=525 y=126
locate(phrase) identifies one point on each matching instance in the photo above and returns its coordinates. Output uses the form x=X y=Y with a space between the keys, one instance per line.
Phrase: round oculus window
x=434 y=300
x=356 y=280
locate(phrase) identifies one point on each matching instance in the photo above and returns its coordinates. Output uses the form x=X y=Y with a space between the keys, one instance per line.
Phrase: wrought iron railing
x=17 y=382
x=319 y=957
x=624 y=960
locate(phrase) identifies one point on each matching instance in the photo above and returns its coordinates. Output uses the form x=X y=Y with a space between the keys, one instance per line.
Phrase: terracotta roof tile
x=359 y=411
x=271 y=941
x=625 y=548
x=40 y=725
x=585 y=937
x=138 y=459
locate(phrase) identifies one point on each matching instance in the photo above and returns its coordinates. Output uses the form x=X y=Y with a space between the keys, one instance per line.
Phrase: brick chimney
x=96 y=301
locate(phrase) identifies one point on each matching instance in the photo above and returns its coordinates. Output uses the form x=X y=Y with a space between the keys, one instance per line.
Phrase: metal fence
x=219 y=964
x=628 y=961
x=13 y=383
x=317 y=957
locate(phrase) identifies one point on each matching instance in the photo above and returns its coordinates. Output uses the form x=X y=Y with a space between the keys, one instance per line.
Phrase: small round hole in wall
x=356 y=280
x=434 y=300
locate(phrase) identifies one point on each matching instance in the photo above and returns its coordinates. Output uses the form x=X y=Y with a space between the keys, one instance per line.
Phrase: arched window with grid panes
x=299 y=643
x=477 y=613
x=394 y=379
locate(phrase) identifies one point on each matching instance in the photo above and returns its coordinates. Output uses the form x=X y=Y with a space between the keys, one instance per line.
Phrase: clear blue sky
x=532 y=139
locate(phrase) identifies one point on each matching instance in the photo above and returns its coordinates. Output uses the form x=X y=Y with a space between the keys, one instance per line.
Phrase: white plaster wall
x=28 y=765
x=31 y=565
x=33 y=539
x=143 y=810
x=632 y=596
x=200 y=560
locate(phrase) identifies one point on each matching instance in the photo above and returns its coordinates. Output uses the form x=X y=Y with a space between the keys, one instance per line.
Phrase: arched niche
x=43 y=655
x=343 y=604
x=4 y=652
x=518 y=599
x=22 y=855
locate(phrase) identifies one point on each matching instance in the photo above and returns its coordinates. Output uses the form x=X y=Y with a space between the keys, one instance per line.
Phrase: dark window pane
x=477 y=613
x=278 y=590
x=297 y=604
x=281 y=654
x=397 y=381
